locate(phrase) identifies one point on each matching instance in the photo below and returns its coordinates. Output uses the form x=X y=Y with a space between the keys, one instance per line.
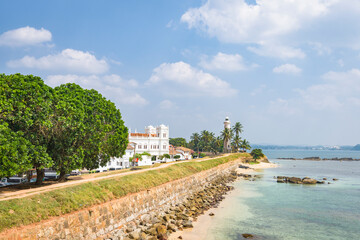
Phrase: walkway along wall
x=101 y=221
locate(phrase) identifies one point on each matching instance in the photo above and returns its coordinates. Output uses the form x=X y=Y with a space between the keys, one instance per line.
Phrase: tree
x=178 y=142
x=15 y=156
x=206 y=139
x=257 y=154
x=87 y=130
x=167 y=156
x=195 y=138
x=226 y=135
x=245 y=145
x=216 y=145
x=236 y=143
x=26 y=107
x=237 y=129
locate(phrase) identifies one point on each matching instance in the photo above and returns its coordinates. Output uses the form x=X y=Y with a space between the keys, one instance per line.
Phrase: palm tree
x=245 y=145
x=237 y=129
x=226 y=136
x=195 y=138
x=206 y=138
x=236 y=143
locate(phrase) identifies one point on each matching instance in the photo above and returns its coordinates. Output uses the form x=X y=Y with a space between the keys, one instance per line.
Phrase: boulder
x=188 y=224
x=309 y=181
x=247 y=235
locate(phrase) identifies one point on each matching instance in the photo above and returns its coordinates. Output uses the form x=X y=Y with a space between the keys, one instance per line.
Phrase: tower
x=227 y=145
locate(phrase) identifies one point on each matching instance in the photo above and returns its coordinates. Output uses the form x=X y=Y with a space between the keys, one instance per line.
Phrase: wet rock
x=211 y=214
x=309 y=181
x=247 y=235
x=335 y=179
x=188 y=224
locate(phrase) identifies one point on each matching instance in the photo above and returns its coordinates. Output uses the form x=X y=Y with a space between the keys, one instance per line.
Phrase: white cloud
x=25 y=36
x=166 y=104
x=282 y=107
x=111 y=86
x=287 y=68
x=68 y=60
x=258 y=90
x=283 y=52
x=183 y=79
x=339 y=90
x=225 y=62
x=236 y=21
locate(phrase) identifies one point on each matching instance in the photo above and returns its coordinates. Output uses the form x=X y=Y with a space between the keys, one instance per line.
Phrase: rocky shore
x=158 y=225
x=322 y=159
x=305 y=180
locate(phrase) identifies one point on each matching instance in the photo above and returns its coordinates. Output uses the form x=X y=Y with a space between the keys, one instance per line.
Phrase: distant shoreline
x=321 y=159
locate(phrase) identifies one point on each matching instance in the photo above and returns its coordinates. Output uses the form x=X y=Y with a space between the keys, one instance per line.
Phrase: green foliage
x=257 y=153
x=15 y=155
x=26 y=106
x=176 y=156
x=146 y=154
x=178 y=142
x=153 y=158
x=65 y=128
x=202 y=155
x=245 y=145
x=136 y=156
x=167 y=156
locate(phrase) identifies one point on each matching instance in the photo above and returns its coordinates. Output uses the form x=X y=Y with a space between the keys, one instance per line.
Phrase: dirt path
x=28 y=192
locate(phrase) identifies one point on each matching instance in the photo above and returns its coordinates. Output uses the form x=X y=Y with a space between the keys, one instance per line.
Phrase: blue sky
x=287 y=70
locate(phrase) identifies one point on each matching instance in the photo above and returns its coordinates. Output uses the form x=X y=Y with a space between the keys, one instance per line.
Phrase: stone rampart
x=104 y=220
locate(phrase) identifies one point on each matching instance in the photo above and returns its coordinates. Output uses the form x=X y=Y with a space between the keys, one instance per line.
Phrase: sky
x=287 y=70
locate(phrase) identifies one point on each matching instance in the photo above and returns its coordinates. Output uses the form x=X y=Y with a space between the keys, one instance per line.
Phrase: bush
x=176 y=157
x=257 y=153
x=202 y=155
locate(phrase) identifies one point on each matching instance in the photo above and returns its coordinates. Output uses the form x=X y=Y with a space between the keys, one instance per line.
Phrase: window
x=164 y=147
x=158 y=147
x=139 y=147
x=164 y=135
x=145 y=146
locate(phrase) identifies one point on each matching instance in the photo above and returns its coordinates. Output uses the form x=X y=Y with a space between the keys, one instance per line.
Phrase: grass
x=27 y=210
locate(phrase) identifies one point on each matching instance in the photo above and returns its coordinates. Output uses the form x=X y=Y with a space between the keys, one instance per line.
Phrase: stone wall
x=102 y=221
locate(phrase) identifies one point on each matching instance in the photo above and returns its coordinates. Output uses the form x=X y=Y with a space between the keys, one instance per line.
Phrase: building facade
x=155 y=141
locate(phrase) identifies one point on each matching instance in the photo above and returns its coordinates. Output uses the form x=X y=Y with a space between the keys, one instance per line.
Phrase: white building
x=155 y=141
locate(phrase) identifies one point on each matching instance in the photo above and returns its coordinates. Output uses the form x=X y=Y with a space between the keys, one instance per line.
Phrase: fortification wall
x=108 y=219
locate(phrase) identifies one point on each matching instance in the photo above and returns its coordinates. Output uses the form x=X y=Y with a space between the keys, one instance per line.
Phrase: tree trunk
x=62 y=176
x=40 y=174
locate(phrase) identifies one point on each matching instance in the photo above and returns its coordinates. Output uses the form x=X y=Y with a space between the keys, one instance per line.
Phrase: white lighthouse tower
x=227 y=145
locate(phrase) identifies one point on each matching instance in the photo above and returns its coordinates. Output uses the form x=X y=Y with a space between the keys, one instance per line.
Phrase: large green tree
x=87 y=130
x=15 y=155
x=26 y=107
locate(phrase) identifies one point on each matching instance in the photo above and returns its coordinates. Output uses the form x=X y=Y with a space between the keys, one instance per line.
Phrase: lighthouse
x=227 y=145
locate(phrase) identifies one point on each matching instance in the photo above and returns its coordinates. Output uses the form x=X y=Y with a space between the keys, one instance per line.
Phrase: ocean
x=274 y=211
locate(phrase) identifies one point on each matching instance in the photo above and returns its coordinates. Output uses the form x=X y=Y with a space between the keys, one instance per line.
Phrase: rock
x=179 y=237
x=324 y=178
x=320 y=182
x=247 y=235
x=280 y=180
x=295 y=180
x=309 y=181
x=188 y=224
x=134 y=235
x=211 y=214
x=161 y=230
x=335 y=179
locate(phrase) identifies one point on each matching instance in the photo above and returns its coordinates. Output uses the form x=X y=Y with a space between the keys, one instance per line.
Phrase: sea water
x=271 y=210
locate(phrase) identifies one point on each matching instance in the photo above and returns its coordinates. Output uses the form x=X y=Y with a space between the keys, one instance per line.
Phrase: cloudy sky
x=288 y=70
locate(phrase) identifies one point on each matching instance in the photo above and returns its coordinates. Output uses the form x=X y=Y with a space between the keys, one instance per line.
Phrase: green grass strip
x=35 y=208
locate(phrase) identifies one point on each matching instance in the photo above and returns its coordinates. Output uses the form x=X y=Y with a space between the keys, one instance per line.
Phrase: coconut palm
x=245 y=145
x=236 y=143
x=237 y=129
x=226 y=135
x=195 y=138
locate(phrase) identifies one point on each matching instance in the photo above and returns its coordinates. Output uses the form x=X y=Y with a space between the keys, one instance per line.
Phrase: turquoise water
x=273 y=210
